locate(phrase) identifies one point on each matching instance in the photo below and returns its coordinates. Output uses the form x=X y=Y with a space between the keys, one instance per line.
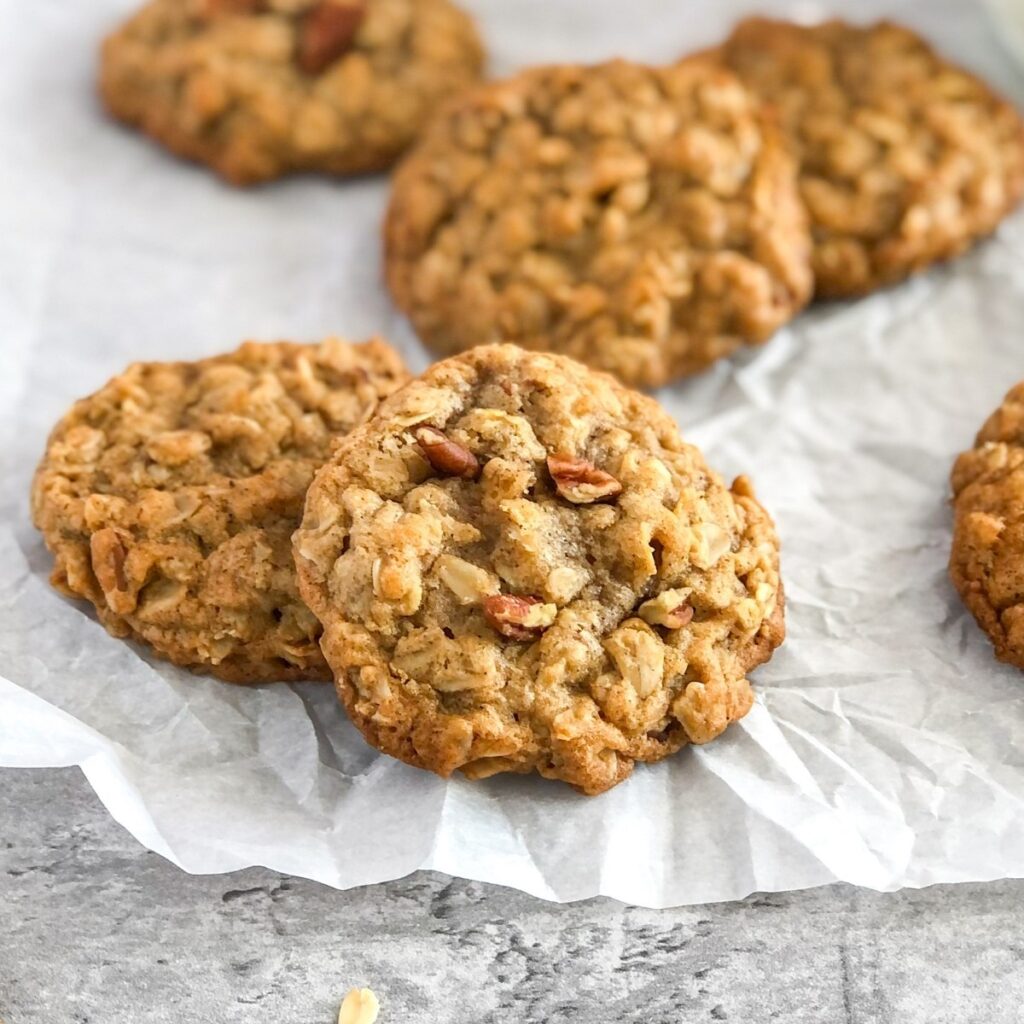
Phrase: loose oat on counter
x=520 y=566
x=360 y=1006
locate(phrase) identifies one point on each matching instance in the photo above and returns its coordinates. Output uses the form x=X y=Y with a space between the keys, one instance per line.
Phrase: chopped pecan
x=445 y=455
x=580 y=481
x=108 y=555
x=669 y=609
x=326 y=32
x=518 y=618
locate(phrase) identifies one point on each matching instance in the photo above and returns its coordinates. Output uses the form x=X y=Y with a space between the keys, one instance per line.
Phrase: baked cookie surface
x=987 y=560
x=645 y=221
x=168 y=499
x=260 y=88
x=520 y=566
x=905 y=159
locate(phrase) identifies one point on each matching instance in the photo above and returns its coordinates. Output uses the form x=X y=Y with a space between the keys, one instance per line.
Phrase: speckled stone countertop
x=96 y=930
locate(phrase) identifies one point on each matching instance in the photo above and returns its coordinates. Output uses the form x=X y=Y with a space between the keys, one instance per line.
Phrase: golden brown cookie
x=260 y=88
x=905 y=159
x=520 y=566
x=169 y=497
x=645 y=221
x=987 y=559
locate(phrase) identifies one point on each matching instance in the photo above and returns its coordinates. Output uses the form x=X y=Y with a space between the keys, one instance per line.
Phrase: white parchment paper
x=887 y=745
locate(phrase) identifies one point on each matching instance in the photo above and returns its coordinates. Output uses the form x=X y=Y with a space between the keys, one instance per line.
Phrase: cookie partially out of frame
x=986 y=564
x=168 y=499
x=905 y=158
x=643 y=220
x=521 y=566
x=260 y=88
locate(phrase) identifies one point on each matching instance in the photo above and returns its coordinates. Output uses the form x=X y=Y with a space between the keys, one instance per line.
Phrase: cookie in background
x=261 y=88
x=645 y=221
x=905 y=158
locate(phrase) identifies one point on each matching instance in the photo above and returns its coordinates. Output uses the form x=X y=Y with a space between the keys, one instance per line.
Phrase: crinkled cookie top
x=905 y=158
x=520 y=566
x=642 y=220
x=259 y=88
x=987 y=559
x=169 y=497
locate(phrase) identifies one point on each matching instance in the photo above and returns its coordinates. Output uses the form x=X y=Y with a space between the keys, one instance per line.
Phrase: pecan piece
x=669 y=609
x=108 y=557
x=518 y=618
x=446 y=456
x=107 y=554
x=580 y=481
x=326 y=32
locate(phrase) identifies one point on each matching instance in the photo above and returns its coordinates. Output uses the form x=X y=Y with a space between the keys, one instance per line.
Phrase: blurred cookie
x=645 y=221
x=905 y=159
x=260 y=88
x=987 y=559
x=169 y=497
x=520 y=566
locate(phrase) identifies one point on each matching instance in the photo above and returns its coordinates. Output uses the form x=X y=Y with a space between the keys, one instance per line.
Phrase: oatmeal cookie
x=905 y=159
x=520 y=566
x=260 y=88
x=987 y=559
x=169 y=497
x=645 y=221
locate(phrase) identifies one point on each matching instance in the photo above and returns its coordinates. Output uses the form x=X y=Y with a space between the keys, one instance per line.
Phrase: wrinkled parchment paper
x=886 y=747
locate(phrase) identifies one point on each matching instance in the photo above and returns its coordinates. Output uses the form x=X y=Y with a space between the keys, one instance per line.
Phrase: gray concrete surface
x=95 y=930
